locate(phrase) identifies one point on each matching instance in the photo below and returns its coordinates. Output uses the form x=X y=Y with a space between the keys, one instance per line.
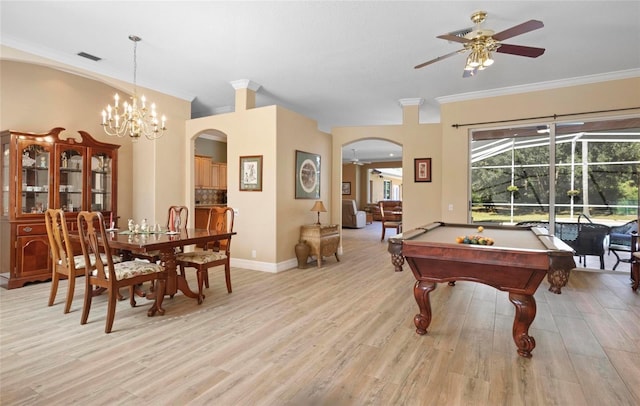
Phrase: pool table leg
x=421 y=292
x=525 y=313
x=397 y=260
x=558 y=274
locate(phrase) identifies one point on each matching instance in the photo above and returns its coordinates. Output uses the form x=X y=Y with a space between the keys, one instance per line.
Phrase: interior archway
x=371 y=171
x=208 y=173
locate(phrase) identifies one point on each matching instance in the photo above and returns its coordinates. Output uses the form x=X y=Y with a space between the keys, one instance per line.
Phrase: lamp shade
x=319 y=207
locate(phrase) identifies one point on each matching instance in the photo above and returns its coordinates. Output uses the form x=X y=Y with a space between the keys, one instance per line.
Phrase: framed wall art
x=251 y=173
x=346 y=188
x=307 y=175
x=422 y=169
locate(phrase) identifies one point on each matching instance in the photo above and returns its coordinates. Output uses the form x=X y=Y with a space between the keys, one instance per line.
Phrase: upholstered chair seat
x=130 y=269
x=201 y=257
x=217 y=254
x=79 y=260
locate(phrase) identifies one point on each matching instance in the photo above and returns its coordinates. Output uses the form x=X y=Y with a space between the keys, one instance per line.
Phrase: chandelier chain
x=135 y=66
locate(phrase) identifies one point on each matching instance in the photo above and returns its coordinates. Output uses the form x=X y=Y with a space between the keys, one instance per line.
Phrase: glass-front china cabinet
x=41 y=171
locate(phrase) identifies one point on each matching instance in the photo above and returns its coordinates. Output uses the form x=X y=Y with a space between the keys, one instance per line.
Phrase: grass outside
x=499 y=217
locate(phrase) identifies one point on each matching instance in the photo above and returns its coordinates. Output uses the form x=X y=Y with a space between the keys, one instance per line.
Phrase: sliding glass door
x=552 y=171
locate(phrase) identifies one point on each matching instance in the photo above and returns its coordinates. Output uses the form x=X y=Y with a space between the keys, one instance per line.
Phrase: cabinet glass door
x=101 y=181
x=33 y=182
x=70 y=186
x=5 y=158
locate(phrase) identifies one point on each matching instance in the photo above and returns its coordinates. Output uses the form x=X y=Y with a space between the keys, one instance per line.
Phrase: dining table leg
x=175 y=281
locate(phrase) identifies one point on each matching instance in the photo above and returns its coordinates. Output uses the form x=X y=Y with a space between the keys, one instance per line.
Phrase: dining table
x=165 y=243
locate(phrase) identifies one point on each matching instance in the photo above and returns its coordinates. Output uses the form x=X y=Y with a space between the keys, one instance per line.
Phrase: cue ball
x=480 y=229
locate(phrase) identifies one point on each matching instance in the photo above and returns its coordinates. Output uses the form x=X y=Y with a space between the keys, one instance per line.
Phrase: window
x=386 y=189
x=566 y=169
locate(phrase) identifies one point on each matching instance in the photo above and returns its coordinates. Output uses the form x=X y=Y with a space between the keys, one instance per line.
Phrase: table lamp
x=319 y=207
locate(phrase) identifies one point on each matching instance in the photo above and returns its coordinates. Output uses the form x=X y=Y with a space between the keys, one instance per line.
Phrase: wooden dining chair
x=64 y=262
x=110 y=275
x=176 y=215
x=387 y=223
x=179 y=215
x=214 y=254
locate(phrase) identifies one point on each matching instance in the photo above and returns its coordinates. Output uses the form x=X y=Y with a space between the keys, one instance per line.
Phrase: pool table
x=517 y=263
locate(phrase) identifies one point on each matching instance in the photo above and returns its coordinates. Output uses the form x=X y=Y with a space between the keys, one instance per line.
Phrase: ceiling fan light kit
x=482 y=43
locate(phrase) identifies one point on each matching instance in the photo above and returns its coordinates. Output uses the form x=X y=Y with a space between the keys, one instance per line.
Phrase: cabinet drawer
x=31 y=229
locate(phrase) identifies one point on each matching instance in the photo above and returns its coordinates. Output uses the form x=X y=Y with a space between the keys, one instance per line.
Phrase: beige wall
x=296 y=132
x=268 y=222
x=421 y=201
x=360 y=177
x=36 y=98
x=454 y=174
x=365 y=176
x=215 y=150
x=377 y=187
x=255 y=219
x=350 y=173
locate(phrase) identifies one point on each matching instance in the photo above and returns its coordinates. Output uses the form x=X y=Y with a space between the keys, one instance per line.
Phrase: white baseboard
x=264 y=266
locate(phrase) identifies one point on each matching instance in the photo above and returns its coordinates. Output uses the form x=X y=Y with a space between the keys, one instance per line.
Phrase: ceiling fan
x=482 y=42
x=356 y=161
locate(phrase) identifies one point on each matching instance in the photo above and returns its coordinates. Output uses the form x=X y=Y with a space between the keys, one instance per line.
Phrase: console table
x=323 y=240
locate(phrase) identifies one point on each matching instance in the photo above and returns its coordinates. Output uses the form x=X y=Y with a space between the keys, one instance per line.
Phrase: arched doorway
x=209 y=173
x=371 y=172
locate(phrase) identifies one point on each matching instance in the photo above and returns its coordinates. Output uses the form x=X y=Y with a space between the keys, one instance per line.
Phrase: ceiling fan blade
x=518 y=29
x=422 y=65
x=520 y=50
x=454 y=38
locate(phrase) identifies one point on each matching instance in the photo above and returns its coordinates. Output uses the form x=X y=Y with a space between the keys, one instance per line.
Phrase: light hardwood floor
x=339 y=335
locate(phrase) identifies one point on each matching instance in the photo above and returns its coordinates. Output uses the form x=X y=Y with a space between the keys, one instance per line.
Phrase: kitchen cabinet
x=41 y=171
x=209 y=174
x=202 y=172
x=218 y=175
x=215 y=175
x=222 y=179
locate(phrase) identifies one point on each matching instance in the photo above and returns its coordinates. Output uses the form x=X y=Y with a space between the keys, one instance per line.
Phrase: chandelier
x=136 y=119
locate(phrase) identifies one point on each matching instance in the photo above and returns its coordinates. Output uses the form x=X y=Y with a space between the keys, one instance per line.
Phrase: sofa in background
x=351 y=216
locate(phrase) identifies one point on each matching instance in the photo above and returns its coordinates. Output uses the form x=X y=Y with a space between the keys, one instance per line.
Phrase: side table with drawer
x=323 y=240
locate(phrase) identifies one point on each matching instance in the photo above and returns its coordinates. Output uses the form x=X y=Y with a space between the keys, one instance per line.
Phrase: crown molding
x=245 y=84
x=554 y=84
x=416 y=101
